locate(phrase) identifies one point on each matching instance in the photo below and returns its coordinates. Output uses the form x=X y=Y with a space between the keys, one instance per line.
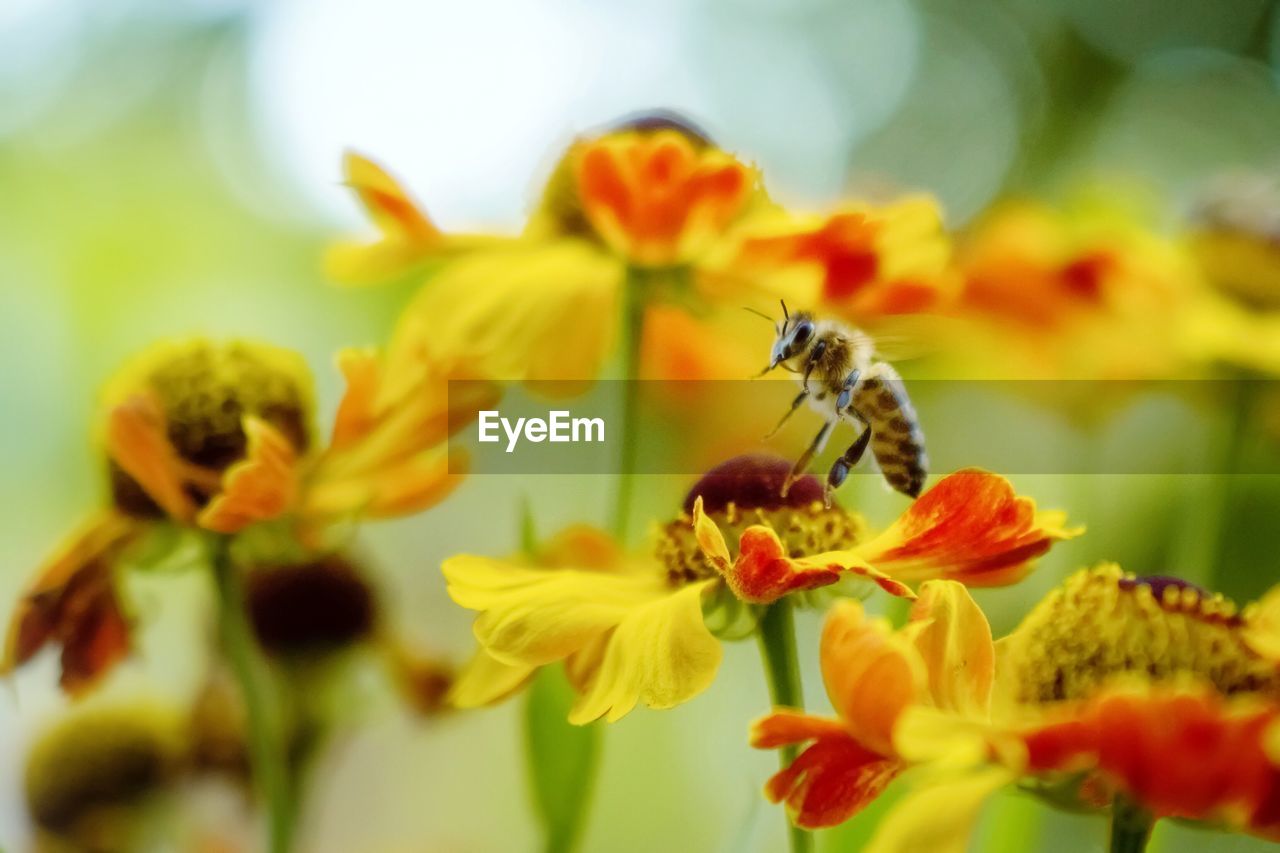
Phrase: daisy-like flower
x=943 y=658
x=1147 y=695
x=633 y=630
x=649 y=213
x=1084 y=291
x=216 y=437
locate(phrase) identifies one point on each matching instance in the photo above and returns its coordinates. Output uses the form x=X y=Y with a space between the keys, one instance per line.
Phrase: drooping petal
x=661 y=654
x=831 y=781
x=406 y=236
x=953 y=638
x=527 y=313
x=260 y=487
x=72 y=601
x=969 y=527
x=485 y=680
x=872 y=674
x=537 y=616
x=939 y=817
x=786 y=726
x=138 y=443
x=763 y=572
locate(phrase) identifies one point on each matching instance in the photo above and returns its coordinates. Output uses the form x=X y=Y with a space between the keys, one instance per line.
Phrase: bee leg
x=795 y=404
x=815 y=355
x=841 y=467
x=815 y=447
x=846 y=390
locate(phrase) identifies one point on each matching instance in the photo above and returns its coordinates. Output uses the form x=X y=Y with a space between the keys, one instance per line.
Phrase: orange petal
x=871 y=674
x=953 y=638
x=831 y=781
x=1181 y=752
x=786 y=726
x=387 y=203
x=969 y=527
x=138 y=442
x=356 y=411
x=72 y=601
x=260 y=487
x=763 y=572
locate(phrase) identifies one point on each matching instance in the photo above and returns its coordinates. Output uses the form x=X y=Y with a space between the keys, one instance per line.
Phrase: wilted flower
x=216 y=437
x=632 y=629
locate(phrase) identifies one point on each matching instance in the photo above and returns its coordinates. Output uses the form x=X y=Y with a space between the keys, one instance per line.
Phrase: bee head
x=795 y=336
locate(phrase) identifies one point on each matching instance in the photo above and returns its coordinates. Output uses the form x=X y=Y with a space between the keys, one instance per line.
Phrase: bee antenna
x=785 y=316
x=751 y=310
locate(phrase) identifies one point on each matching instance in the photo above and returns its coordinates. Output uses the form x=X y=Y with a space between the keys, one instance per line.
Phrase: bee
x=841 y=377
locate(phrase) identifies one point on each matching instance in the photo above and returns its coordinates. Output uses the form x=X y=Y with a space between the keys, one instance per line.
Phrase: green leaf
x=561 y=759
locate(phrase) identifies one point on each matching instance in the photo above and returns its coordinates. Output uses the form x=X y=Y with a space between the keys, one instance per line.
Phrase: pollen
x=1102 y=623
x=205 y=389
x=745 y=491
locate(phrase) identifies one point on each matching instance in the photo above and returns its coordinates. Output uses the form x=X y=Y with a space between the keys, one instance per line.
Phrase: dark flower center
x=752 y=481
x=309 y=608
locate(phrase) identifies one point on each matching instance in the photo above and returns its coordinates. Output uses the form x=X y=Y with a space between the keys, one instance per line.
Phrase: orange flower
x=659 y=197
x=1115 y=687
x=870 y=261
x=969 y=527
x=647 y=213
x=943 y=658
x=216 y=437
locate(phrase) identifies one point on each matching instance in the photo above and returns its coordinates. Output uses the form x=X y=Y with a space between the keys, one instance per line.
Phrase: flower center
x=1102 y=623
x=309 y=608
x=204 y=390
x=747 y=490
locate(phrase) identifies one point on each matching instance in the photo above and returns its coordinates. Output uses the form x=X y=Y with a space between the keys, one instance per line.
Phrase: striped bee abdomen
x=896 y=438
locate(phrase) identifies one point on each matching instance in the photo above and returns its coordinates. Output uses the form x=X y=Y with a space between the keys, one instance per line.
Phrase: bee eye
x=803 y=331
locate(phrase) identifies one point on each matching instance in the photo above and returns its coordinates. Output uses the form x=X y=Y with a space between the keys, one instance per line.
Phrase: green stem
x=1130 y=826
x=266 y=742
x=635 y=290
x=777 y=636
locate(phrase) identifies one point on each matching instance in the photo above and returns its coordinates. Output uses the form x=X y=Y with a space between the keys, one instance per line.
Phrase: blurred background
x=173 y=166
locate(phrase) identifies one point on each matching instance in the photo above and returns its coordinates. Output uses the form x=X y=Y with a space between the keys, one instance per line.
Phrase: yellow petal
x=486 y=680
x=661 y=654
x=530 y=312
x=537 y=616
x=710 y=539
x=954 y=640
x=939 y=817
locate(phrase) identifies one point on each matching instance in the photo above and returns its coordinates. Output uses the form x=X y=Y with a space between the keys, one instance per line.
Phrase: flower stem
x=634 y=296
x=1130 y=826
x=266 y=742
x=777 y=636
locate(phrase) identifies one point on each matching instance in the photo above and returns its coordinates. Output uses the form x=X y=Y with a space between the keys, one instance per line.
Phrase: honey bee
x=841 y=377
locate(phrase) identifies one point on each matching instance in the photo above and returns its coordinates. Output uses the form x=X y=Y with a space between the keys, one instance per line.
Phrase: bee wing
x=908 y=337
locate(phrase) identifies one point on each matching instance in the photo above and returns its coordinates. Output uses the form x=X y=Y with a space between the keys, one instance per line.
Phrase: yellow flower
x=1084 y=291
x=1146 y=688
x=217 y=437
x=101 y=758
x=632 y=630
x=653 y=205
x=943 y=658
x=1232 y=237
